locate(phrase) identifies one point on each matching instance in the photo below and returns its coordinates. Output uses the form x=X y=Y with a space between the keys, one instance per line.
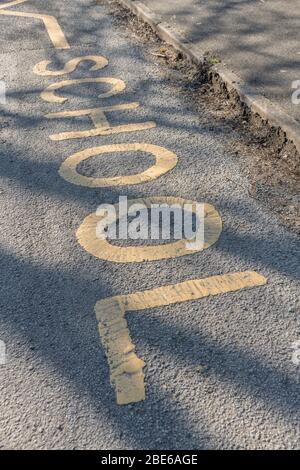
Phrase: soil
x=273 y=164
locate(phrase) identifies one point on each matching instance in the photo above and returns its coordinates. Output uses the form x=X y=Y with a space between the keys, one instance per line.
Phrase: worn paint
x=100 y=121
x=51 y=24
x=110 y=130
x=103 y=249
x=12 y=3
x=164 y=162
x=41 y=69
x=117 y=86
x=97 y=115
x=126 y=369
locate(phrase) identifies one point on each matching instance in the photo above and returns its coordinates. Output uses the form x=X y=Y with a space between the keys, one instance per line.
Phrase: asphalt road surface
x=220 y=371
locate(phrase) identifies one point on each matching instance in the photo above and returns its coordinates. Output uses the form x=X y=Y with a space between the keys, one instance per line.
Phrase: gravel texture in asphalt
x=219 y=371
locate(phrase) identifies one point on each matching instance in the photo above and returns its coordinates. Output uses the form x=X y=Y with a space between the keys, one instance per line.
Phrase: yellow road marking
x=102 y=126
x=139 y=126
x=164 y=162
x=97 y=114
x=12 y=3
x=103 y=249
x=49 y=93
x=126 y=369
x=52 y=26
x=41 y=68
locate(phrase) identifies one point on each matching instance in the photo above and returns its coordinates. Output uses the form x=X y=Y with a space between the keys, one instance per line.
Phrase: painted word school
x=126 y=368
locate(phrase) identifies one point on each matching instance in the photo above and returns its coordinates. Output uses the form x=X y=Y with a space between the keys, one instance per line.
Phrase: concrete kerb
x=258 y=104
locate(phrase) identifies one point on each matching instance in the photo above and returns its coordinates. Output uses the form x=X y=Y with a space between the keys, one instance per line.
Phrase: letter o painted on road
x=164 y=162
x=103 y=249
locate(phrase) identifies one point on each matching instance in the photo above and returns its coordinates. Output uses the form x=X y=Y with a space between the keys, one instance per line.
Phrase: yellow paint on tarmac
x=52 y=26
x=165 y=161
x=100 y=62
x=126 y=369
x=103 y=249
x=139 y=126
x=100 y=121
x=12 y=3
x=96 y=114
x=117 y=86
